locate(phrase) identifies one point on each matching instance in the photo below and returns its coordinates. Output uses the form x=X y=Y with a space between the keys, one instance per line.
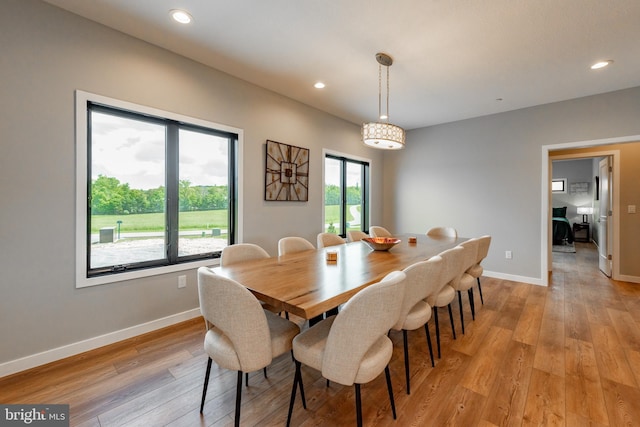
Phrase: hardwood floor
x=567 y=355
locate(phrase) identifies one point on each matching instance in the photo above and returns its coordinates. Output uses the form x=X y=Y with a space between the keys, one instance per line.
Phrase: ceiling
x=453 y=59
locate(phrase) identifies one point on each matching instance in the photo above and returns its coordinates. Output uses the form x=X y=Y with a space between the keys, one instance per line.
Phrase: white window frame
x=81 y=99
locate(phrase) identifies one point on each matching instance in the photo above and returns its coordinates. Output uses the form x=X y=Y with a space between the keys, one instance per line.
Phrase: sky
x=134 y=152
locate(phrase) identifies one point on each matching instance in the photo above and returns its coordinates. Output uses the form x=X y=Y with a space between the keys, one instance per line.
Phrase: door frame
x=545 y=230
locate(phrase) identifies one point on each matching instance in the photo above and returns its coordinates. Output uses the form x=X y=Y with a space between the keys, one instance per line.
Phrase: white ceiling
x=453 y=59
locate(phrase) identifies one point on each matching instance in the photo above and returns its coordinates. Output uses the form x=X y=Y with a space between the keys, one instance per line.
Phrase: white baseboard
x=632 y=279
x=514 y=278
x=59 y=353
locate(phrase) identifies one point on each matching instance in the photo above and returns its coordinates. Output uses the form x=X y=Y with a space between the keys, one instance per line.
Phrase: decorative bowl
x=381 y=243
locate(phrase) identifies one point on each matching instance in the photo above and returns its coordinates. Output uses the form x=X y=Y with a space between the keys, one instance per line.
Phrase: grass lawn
x=197 y=220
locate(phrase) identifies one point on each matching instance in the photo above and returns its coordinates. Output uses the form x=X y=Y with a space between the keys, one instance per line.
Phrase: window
x=559 y=185
x=156 y=190
x=346 y=194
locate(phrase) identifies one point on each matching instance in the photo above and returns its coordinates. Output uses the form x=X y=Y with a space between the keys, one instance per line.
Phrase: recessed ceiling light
x=319 y=85
x=601 y=64
x=181 y=16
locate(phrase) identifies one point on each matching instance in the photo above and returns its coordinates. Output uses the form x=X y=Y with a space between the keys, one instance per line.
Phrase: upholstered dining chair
x=356 y=235
x=352 y=348
x=241 y=252
x=377 y=231
x=329 y=239
x=464 y=281
x=442 y=232
x=292 y=244
x=423 y=278
x=476 y=270
x=240 y=336
x=445 y=294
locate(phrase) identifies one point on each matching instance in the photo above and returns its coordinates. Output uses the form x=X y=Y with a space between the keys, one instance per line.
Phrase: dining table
x=307 y=284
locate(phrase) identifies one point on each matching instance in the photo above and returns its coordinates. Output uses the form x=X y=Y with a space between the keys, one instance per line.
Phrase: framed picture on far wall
x=286 y=172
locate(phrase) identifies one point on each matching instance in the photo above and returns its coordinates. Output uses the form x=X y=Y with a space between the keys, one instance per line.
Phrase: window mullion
x=172 y=197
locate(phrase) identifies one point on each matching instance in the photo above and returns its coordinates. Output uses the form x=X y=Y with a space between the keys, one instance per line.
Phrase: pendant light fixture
x=382 y=134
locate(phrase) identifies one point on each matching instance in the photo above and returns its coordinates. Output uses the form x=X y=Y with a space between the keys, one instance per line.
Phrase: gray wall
x=484 y=175
x=574 y=171
x=47 y=54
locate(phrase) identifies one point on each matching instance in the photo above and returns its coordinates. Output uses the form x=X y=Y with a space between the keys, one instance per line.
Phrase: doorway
x=583 y=198
x=580 y=151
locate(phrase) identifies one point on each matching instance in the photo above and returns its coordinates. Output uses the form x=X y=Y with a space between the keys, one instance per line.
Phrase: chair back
x=377 y=231
x=453 y=261
x=231 y=308
x=363 y=321
x=423 y=279
x=289 y=245
x=329 y=239
x=442 y=232
x=240 y=252
x=356 y=235
x=483 y=248
x=471 y=253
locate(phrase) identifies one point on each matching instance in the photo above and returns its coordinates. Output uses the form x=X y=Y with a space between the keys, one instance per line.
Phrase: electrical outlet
x=631 y=209
x=182 y=281
x=508 y=255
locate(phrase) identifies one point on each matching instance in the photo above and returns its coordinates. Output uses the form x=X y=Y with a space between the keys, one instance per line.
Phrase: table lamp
x=584 y=211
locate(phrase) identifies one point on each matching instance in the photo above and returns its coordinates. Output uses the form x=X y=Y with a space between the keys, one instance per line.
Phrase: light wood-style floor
x=564 y=355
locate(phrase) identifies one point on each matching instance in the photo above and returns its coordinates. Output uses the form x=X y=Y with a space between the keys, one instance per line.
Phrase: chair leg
x=461 y=315
x=238 y=398
x=390 y=390
x=206 y=384
x=426 y=331
x=246 y=379
x=480 y=289
x=406 y=361
x=297 y=378
x=358 y=406
x=453 y=328
x=435 y=312
x=264 y=371
x=472 y=304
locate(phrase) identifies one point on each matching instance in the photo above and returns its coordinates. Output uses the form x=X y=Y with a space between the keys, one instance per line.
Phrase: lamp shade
x=585 y=210
x=383 y=135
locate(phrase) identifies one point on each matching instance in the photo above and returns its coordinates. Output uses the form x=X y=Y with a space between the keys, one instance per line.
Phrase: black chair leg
x=297 y=378
x=472 y=303
x=426 y=331
x=236 y=422
x=358 y=406
x=206 y=384
x=264 y=371
x=246 y=379
x=453 y=328
x=406 y=361
x=435 y=313
x=390 y=390
x=461 y=315
x=480 y=289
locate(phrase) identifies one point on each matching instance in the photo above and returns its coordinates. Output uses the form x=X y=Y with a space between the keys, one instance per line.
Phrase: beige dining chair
x=442 y=232
x=241 y=252
x=378 y=231
x=445 y=294
x=422 y=280
x=464 y=281
x=356 y=235
x=352 y=348
x=240 y=336
x=329 y=239
x=292 y=244
x=476 y=270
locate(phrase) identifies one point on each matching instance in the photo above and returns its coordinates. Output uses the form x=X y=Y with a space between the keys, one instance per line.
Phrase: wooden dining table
x=307 y=285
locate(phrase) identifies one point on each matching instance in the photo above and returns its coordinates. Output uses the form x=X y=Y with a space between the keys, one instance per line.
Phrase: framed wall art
x=287 y=172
